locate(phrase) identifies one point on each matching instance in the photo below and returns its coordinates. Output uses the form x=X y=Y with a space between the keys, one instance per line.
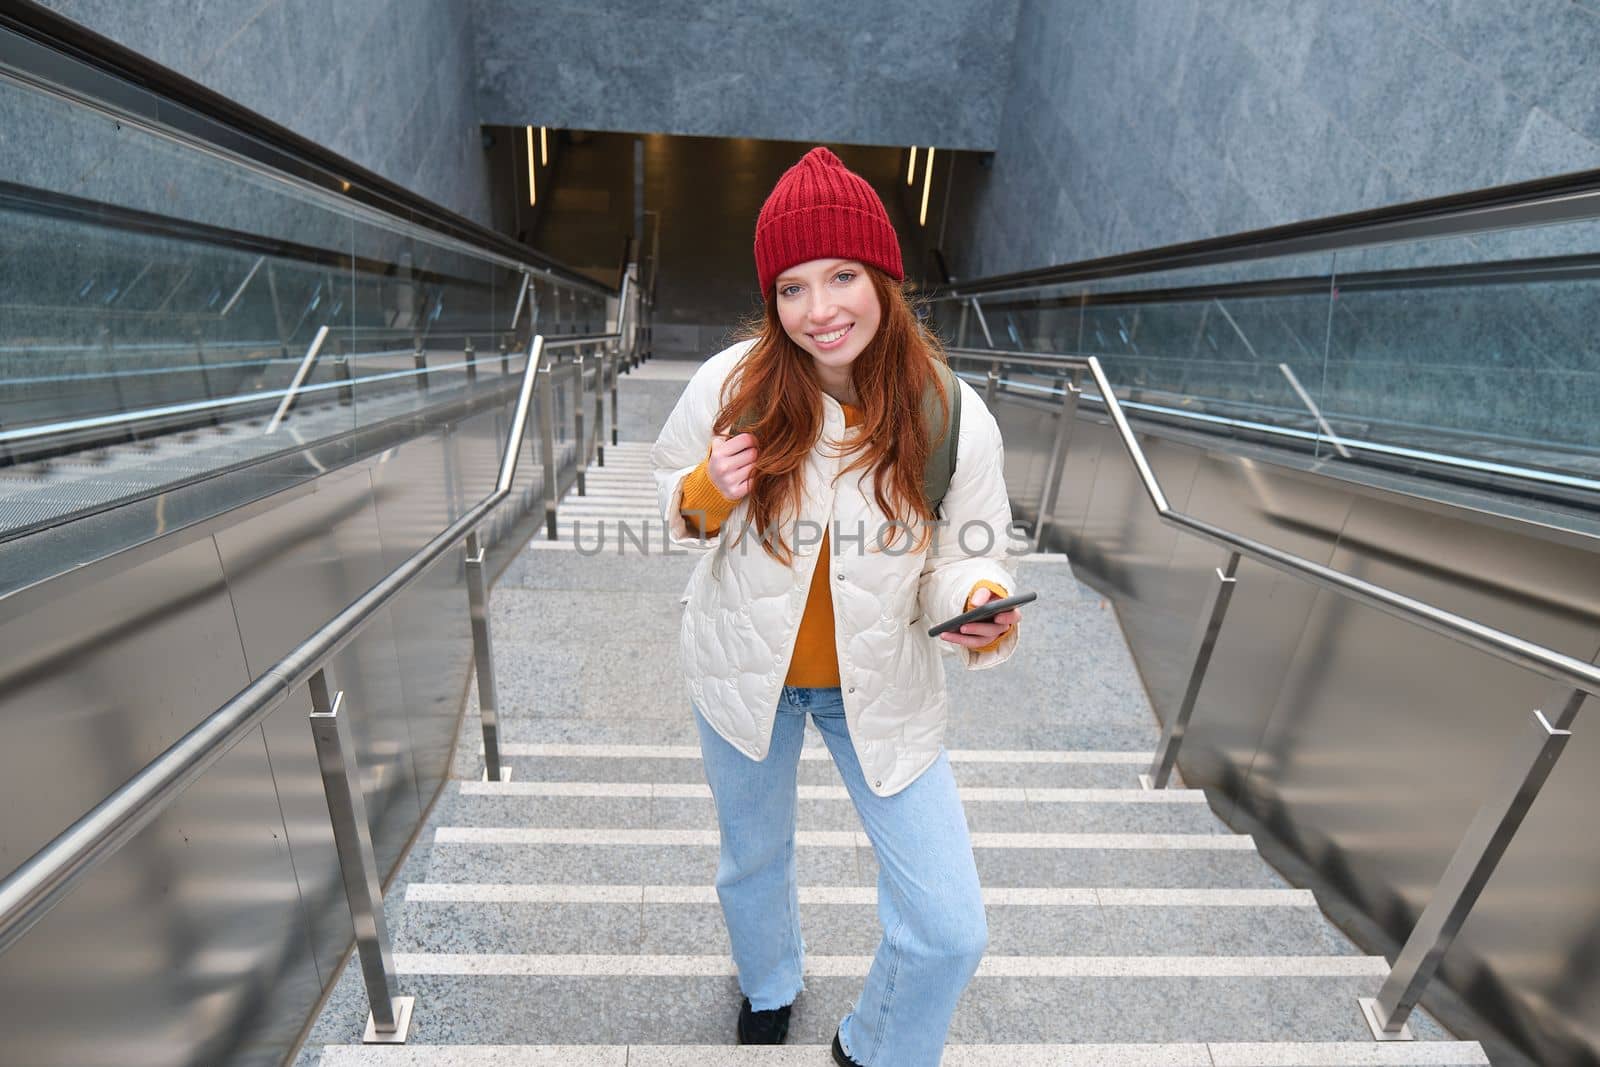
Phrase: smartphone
x=983 y=613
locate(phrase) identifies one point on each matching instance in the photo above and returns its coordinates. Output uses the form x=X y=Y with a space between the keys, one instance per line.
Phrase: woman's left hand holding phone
x=980 y=634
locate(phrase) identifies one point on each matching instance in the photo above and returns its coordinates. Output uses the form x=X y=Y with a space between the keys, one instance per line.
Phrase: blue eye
x=788 y=290
x=847 y=275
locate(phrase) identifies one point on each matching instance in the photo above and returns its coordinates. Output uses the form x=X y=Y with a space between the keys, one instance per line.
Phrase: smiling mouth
x=831 y=337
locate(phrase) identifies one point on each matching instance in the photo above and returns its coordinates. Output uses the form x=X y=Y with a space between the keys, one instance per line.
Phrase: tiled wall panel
x=892 y=73
x=388 y=84
x=1130 y=125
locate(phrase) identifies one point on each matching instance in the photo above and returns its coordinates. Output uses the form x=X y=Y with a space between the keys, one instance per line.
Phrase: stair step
x=1017 y=1001
x=852 y=839
x=604 y=505
x=1085 y=896
x=633 y=965
x=678 y=729
x=641 y=503
x=630 y=570
x=1216 y=1054
x=688 y=805
x=973 y=768
x=684 y=857
x=669 y=920
x=819 y=753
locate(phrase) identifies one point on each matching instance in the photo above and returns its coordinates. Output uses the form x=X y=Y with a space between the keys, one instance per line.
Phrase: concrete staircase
x=567 y=916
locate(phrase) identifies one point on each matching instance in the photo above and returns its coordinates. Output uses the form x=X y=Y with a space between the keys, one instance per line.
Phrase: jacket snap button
x=877 y=785
x=852 y=689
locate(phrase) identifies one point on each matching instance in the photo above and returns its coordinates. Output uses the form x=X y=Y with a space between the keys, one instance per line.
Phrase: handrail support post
x=616 y=360
x=483 y=660
x=580 y=453
x=1533 y=756
x=1205 y=643
x=547 y=444
x=602 y=361
x=1066 y=418
x=390 y=1020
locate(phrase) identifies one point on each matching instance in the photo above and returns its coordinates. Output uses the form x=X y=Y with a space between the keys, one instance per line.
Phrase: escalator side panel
x=287 y=569
x=190 y=941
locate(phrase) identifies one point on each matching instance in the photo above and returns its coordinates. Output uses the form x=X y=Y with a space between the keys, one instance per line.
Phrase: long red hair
x=776 y=388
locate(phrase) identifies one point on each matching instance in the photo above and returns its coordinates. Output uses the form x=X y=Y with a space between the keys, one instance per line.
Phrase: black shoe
x=839 y=1055
x=763 y=1027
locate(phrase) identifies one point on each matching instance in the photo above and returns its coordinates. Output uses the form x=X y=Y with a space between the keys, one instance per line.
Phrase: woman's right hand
x=732 y=464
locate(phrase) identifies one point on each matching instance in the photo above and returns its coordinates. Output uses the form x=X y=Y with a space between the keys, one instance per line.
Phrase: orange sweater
x=816 y=658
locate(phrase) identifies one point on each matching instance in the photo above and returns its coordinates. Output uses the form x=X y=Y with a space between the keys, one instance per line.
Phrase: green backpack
x=942 y=459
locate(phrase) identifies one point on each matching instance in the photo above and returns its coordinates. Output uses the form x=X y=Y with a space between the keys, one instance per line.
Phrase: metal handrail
x=586 y=339
x=93 y=422
x=1529 y=654
x=122 y=351
x=1569 y=197
x=1533 y=754
x=1315 y=281
x=1490 y=468
x=29 y=892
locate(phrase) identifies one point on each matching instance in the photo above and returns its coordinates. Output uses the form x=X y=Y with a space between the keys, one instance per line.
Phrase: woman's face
x=829 y=308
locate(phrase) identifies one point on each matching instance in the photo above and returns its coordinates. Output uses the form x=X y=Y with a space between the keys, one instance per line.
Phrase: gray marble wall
x=889 y=73
x=1130 y=124
x=387 y=83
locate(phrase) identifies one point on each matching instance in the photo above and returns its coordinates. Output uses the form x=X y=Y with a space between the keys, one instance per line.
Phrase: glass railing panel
x=1488 y=353
x=1467 y=357
x=125 y=335
x=438 y=327
x=594 y=312
x=555 y=312
x=1220 y=354
x=1233 y=345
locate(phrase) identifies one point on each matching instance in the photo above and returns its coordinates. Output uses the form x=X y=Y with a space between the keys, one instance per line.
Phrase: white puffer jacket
x=743 y=608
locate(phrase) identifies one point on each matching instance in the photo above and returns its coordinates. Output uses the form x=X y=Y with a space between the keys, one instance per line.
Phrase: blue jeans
x=929 y=901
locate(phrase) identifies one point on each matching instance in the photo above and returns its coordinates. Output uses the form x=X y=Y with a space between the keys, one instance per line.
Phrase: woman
x=825 y=571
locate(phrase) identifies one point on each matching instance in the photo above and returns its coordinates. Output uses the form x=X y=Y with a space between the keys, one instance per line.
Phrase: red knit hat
x=821 y=209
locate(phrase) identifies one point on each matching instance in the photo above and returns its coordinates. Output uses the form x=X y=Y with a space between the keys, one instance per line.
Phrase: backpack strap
x=942 y=454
